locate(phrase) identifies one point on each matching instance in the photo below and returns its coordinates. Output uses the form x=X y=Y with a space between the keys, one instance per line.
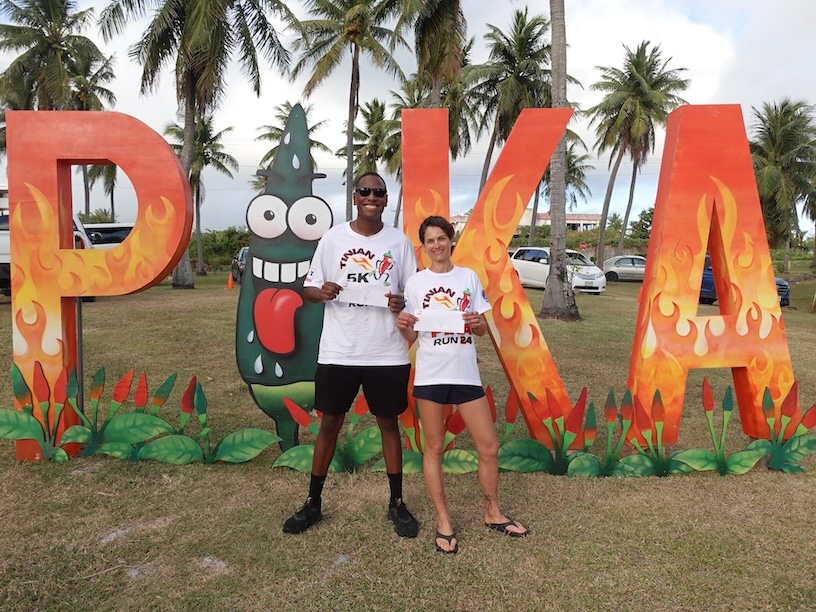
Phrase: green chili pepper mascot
x=277 y=331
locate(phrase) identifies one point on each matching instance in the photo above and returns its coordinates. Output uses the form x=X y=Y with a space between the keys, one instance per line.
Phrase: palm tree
x=48 y=35
x=783 y=149
x=637 y=97
x=90 y=74
x=515 y=77
x=558 y=301
x=369 y=141
x=198 y=38
x=339 y=26
x=108 y=174
x=440 y=41
x=208 y=152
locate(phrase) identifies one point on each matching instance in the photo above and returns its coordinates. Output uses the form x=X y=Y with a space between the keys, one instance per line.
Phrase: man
x=360 y=344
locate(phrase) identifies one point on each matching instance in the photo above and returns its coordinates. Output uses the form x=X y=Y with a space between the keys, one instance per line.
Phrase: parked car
x=625 y=267
x=533 y=266
x=108 y=235
x=708 y=292
x=239 y=263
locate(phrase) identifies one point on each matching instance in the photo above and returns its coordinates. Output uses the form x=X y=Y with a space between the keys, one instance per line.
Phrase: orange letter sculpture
x=47 y=273
x=707 y=198
x=482 y=246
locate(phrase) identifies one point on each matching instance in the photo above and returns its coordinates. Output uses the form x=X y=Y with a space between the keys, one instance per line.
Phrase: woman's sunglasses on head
x=366 y=191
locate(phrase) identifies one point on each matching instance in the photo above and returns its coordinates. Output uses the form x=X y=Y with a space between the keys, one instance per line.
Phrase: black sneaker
x=405 y=524
x=304 y=518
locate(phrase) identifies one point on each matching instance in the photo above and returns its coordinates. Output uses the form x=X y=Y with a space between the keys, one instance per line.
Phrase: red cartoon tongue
x=274 y=313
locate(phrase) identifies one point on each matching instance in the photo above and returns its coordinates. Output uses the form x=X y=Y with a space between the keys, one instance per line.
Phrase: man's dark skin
x=368 y=222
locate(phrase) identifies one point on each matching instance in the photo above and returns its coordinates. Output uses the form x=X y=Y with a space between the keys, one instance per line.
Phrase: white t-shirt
x=360 y=334
x=446 y=358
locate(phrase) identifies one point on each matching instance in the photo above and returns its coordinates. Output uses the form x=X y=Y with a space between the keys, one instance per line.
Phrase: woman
x=447 y=373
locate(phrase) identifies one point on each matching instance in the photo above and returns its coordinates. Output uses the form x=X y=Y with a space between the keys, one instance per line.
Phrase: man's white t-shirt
x=446 y=358
x=361 y=334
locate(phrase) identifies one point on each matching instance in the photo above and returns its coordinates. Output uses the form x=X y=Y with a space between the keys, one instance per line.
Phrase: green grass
x=100 y=533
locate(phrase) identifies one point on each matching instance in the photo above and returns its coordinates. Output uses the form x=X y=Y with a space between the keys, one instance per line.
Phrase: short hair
x=365 y=174
x=436 y=221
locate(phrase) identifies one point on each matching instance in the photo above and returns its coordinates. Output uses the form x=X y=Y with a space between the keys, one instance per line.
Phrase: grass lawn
x=101 y=533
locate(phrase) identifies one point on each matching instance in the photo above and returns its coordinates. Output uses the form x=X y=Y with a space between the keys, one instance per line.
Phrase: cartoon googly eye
x=266 y=216
x=309 y=218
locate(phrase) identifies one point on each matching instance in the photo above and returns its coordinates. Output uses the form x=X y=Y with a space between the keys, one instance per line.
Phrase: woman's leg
x=432 y=417
x=478 y=420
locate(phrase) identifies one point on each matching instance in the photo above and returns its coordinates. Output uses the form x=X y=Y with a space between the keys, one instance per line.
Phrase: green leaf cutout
x=136 y=427
x=742 y=461
x=59 y=455
x=175 y=449
x=120 y=450
x=245 y=445
x=19 y=386
x=698 y=459
x=20 y=425
x=641 y=465
x=584 y=465
x=411 y=463
x=525 y=455
x=365 y=446
x=298 y=458
x=459 y=461
x=76 y=433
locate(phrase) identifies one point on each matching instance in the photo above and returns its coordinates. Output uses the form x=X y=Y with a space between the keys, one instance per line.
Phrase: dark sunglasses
x=366 y=191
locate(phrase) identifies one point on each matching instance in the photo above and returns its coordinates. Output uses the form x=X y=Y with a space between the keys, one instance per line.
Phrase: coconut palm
x=108 y=174
x=208 y=153
x=638 y=97
x=88 y=93
x=274 y=134
x=516 y=76
x=369 y=139
x=198 y=38
x=783 y=149
x=558 y=301
x=339 y=27
x=48 y=35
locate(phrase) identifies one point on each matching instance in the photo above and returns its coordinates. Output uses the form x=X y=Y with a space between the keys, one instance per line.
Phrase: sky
x=745 y=52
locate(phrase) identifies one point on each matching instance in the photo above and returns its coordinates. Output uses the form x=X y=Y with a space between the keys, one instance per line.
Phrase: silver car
x=625 y=267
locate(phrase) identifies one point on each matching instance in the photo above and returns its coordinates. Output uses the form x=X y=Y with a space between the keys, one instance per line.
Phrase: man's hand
x=329 y=291
x=395 y=302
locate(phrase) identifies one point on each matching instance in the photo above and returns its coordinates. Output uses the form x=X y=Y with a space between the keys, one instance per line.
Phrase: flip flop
x=448 y=539
x=503 y=528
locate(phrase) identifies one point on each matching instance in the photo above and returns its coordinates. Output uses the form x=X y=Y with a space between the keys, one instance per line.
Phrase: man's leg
x=405 y=524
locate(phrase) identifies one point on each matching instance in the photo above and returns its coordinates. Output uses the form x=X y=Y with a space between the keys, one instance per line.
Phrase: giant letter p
x=47 y=272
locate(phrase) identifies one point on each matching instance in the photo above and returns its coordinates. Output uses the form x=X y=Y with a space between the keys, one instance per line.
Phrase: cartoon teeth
x=273 y=272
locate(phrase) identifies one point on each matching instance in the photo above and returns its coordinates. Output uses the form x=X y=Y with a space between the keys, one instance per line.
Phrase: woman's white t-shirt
x=446 y=358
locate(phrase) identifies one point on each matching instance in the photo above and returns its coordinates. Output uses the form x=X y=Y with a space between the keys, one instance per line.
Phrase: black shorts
x=385 y=388
x=449 y=394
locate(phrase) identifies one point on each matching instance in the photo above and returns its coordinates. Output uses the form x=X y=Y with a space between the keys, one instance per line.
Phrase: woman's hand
x=405 y=321
x=476 y=322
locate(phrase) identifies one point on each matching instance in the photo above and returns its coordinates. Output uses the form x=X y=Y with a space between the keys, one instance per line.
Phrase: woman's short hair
x=436 y=221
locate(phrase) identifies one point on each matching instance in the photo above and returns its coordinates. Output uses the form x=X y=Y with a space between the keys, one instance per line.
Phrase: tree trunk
x=628 y=210
x=199 y=249
x=531 y=236
x=599 y=252
x=786 y=264
x=87 y=187
x=354 y=91
x=113 y=212
x=399 y=207
x=182 y=276
x=813 y=263
x=559 y=300
x=493 y=137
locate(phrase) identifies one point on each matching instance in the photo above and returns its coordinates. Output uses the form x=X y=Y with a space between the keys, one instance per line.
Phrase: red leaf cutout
x=791 y=400
x=360 y=406
x=658 y=410
x=456 y=423
x=708 y=396
x=610 y=408
x=188 y=399
x=122 y=388
x=300 y=416
x=512 y=407
x=644 y=422
x=491 y=401
x=553 y=405
x=809 y=420
x=576 y=416
x=140 y=397
x=61 y=387
x=41 y=390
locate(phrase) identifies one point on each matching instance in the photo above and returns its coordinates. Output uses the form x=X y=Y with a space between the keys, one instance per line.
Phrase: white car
x=533 y=267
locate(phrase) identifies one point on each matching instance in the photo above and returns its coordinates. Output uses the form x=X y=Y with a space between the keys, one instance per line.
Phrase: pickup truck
x=81 y=241
x=532 y=264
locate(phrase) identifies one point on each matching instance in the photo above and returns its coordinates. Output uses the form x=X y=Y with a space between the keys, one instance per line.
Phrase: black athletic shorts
x=385 y=388
x=449 y=394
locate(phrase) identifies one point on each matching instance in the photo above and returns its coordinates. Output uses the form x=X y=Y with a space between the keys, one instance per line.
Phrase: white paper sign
x=363 y=293
x=431 y=319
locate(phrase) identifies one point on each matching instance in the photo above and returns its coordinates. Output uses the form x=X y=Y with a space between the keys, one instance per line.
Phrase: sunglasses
x=366 y=191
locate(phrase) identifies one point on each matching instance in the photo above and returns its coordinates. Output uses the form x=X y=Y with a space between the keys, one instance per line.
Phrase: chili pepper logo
x=383 y=266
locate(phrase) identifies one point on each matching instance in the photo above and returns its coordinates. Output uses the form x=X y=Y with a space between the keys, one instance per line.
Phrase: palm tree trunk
x=182 y=276
x=813 y=263
x=87 y=187
x=354 y=91
x=199 y=249
x=599 y=252
x=531 y=236
x=559 y=300
x=113 y=212
x=628 y=210
x=399 y=207
x=489 y=155
x=786 y=264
